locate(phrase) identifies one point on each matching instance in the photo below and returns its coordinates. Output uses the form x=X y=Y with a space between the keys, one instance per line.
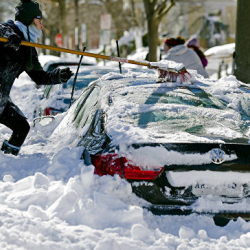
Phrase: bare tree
x=155 y=11
x=51 y=21
x=7 y=9
x=1 y=13
x=121 y=18
x=55 y=9
x=76 y=2
x=242 y=41
x=62 y=15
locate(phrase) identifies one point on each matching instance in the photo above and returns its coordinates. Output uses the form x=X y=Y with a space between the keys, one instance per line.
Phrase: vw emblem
x=217 y=155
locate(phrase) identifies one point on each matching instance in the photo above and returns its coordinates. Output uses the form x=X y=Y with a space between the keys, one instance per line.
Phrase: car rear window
x=187 y=96
x=189 y=110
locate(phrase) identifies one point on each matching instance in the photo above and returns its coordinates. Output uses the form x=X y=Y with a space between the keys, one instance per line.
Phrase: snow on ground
x=51 y=200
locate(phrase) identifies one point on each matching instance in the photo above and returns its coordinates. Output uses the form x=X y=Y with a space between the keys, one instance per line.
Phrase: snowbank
x=51 y=200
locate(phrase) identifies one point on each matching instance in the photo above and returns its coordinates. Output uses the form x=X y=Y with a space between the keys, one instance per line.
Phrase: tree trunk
x=115 y=8
x=155 y=11
x=77 y=23
x=242 y=50
x=62 y=13
x=152 y=39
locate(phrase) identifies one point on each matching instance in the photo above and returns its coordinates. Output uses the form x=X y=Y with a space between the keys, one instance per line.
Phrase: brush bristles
x=173 y=75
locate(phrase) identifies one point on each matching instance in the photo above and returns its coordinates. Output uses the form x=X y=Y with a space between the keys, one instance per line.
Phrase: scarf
x=34 y=32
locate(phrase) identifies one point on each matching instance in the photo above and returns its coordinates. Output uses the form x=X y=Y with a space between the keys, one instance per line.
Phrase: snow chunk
x=35 y=211
x=139 y=232
x=8 y=178
x=87 y=176
x=202 y=234
x=63 y=205
x=186 y=232
x=41 y=181
x=246 y=239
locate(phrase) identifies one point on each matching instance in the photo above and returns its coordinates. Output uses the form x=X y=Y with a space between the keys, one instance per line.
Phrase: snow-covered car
x=175 y=143
x=56 y=98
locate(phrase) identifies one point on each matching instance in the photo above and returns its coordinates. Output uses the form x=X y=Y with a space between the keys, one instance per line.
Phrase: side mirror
x=43 y=120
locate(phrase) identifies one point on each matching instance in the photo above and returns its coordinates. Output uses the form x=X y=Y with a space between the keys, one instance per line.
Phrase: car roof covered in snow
x=143 y=110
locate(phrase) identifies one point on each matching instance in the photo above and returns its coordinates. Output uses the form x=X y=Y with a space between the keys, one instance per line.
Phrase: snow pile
x=221 y=51
x=51 y=200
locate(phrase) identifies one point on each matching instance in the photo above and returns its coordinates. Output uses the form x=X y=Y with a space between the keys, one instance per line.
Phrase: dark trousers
x=13 y=118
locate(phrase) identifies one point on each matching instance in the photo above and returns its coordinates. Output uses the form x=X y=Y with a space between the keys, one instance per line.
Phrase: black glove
x=65 y=74
x=14 y=41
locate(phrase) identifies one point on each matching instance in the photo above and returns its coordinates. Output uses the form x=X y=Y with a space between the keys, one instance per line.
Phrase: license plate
x=230 y=190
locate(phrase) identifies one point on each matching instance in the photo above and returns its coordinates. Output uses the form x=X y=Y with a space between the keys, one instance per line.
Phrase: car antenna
x=118 y=53
x=74 y=84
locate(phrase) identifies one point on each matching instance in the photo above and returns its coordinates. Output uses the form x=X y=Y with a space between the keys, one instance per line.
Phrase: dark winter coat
x=13 y=63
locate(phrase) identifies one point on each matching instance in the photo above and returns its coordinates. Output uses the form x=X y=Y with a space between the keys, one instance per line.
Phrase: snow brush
x=167 y=70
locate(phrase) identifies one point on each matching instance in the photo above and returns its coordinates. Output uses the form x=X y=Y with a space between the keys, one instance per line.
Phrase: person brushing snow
x=14 y=60
x=176 y=51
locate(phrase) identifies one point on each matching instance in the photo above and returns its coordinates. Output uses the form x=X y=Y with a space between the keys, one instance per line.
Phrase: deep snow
x=51 y=200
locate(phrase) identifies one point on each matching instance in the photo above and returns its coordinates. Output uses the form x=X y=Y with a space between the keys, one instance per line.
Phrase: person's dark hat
x=27 y=11
x=171 y=42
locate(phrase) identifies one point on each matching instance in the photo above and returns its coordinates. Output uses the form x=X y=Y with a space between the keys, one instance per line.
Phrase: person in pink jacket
x=194 y=44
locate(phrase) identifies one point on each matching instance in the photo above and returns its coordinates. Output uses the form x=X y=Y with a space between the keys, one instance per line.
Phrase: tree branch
x=147 y=6
x=161 y=7
x=167 y=10
x=133 y=13
x=154 y=3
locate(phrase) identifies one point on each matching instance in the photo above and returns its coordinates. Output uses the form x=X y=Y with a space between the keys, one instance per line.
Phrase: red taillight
x=47 y=111
x=111 y=164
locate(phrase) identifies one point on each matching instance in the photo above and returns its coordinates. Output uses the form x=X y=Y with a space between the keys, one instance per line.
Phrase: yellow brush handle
x=112 y=58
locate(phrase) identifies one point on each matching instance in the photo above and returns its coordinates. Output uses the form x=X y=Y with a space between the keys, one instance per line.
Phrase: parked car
x=173 y=142
x=56 y=98
x=220 y=60
x=49 y=63
x=54 y=62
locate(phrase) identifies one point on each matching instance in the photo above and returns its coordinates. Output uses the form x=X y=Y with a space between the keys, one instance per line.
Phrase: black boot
x=7 y=148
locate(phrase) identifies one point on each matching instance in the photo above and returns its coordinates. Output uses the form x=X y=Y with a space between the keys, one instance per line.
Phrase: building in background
x=216 y=18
